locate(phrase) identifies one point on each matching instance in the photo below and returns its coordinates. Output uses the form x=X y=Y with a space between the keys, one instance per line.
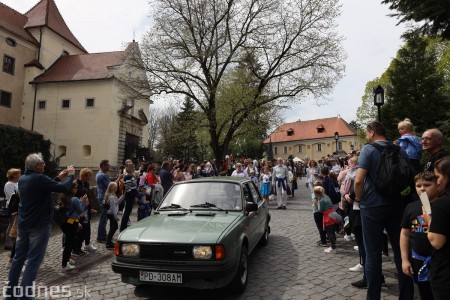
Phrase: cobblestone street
x=291 y=266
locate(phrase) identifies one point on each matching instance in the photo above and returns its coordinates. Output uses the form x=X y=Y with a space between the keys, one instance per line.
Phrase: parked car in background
x=199 y=237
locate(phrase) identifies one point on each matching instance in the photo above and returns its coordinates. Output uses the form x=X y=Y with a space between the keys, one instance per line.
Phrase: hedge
x=15 y=145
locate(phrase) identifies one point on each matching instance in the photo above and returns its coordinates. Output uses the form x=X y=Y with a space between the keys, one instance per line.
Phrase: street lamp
x=270 y=150
x=378 y=99
x=336 y=137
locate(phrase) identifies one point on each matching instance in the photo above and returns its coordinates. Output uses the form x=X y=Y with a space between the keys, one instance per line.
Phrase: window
x=290 y=132
x=300 y=148
x=5 y=99
x=89 y=102
x=8 y=64
x=62 y=150
x=319 y=147
x=42 y=104
x=275 y=150
x=65 y=103
x=86 y=150
x=285 y=149
x=320 y=129
x=339 y=145
x=11 y=42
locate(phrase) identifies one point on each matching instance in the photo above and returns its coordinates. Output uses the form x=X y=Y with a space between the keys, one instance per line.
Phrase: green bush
x=15 y=145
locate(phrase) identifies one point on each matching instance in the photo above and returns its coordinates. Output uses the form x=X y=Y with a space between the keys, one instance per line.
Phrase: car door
x=252 y=220
x=261 y=216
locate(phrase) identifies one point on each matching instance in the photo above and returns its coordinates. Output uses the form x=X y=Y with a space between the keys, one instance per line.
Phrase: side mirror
x=251 y=207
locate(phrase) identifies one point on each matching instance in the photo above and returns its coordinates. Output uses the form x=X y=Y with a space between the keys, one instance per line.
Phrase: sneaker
x=348 y=238
x=78 y=253
x=68 y=268
x=120 y=212
x=279 y=207
x=320 y=244
x=283 y=207
x=329 y=250
x=357 y=268
x=72 y=261
x=356 y=248
x=360 y=284
x=110 y=246
x=89 y=247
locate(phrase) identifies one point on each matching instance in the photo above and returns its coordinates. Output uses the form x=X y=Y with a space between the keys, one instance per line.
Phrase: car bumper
x=194 y=276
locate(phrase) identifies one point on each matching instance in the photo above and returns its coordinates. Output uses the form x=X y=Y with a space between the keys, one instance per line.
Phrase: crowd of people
x=344 y=199
x=371 y=218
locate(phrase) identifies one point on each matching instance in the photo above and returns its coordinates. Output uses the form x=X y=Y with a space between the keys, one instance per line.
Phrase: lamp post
x=336 y=137
x=270 y=150
x=378 y=99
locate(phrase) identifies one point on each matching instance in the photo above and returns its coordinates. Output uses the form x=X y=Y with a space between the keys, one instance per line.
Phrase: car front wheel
x=239 y=282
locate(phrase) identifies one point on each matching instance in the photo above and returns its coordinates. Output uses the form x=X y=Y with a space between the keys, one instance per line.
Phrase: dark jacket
x=36 y=204
x=166 y=179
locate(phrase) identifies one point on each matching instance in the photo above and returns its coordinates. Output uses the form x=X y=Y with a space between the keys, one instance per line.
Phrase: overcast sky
x=371 y=41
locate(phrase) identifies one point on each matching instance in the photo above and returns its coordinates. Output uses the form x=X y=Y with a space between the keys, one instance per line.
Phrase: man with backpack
x=381 y=208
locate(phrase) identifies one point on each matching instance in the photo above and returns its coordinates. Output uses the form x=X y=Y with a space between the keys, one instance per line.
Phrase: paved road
x=289 y=267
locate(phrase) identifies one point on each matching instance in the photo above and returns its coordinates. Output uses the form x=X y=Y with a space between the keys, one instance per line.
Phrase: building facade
x=50 y=84
x=313 y=139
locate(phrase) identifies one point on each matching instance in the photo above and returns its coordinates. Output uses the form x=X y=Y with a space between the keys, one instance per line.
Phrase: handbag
x=13 y=231
x=336 y=217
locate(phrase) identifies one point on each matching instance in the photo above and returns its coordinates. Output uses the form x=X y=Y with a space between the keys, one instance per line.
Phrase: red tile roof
x=46 y=13
x=82 y=67
x=14 y=22
x=307 y=130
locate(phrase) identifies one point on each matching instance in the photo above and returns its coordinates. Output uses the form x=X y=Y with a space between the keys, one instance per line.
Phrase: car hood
x=180 y=227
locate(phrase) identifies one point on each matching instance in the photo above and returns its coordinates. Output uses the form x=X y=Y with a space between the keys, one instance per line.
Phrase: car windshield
x=205 y=195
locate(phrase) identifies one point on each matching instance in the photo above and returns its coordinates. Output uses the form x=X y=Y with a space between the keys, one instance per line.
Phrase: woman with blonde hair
x=312 y=175
x=112 y=203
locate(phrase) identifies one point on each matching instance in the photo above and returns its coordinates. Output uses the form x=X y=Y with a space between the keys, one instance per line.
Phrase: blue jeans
x=374 y=221
x=101 y=232
x=31 y=244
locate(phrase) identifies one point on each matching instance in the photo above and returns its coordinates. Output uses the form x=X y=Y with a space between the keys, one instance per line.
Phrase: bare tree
x=193 y=45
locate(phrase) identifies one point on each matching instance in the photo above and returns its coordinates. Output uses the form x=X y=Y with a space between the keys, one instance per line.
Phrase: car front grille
x=165 y=252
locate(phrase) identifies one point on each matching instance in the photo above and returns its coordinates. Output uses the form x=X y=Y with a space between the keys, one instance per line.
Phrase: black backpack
x=395 y=174
x=13 y=205
x=59 y=215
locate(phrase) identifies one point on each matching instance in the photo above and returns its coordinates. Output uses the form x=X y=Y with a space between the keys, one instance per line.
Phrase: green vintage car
x=199 y=237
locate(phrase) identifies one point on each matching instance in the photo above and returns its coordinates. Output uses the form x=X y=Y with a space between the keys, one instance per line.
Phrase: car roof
x=230 y=179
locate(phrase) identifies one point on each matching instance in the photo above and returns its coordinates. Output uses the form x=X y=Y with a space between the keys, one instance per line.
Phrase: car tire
x=239 y=282
x=265 y=237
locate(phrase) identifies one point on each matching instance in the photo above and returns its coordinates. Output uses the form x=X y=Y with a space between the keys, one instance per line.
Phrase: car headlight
x=130 y=250
x=202 y=252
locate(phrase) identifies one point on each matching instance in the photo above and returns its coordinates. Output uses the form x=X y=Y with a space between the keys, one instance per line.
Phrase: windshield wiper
x=173 y=206
x=208 y=205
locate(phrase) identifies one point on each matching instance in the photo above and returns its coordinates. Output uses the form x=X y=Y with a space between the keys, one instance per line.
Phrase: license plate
x=161 y=277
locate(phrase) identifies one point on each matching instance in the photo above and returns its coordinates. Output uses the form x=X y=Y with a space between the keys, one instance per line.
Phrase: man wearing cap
x=279 y=179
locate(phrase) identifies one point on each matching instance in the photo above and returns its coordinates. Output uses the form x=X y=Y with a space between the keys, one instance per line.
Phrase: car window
x=247 y=193
x=223 y=195
x=255 y=194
